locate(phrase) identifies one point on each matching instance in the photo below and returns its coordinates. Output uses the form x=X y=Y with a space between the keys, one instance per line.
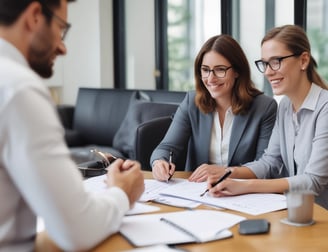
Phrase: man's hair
x=10 y=10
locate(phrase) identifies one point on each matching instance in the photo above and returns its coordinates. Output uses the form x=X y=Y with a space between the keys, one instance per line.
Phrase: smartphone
x=254 y=226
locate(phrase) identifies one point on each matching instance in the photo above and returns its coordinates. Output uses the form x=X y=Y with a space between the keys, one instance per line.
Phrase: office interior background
x=151 y=44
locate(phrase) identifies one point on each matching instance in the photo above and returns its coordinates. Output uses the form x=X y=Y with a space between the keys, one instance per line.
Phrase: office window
x=161 y=41
x=251 y=20
x=317 y=31
x=189 y=24
x=192 y=22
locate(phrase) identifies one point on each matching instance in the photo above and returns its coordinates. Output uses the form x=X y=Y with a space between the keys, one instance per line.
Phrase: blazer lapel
x=238 y=127
x=205 y=139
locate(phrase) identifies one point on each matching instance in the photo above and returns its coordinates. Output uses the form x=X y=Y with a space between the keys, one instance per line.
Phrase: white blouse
x=220 y=138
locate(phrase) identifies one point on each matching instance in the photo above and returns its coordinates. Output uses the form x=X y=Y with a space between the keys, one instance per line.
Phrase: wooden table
x=281 y=237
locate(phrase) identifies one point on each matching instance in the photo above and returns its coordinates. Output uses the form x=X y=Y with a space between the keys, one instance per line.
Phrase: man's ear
x=33 y=16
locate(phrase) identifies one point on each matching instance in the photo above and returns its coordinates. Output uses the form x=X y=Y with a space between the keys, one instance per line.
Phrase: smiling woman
x=225 y=121
x=297 y=154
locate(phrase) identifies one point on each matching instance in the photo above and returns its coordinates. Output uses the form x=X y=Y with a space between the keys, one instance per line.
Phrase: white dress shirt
x=37 y=175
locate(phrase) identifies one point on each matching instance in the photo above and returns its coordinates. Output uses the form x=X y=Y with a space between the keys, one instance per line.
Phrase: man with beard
x=37 y=175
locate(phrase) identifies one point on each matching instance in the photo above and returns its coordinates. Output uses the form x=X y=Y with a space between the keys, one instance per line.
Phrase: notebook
x=187 y=226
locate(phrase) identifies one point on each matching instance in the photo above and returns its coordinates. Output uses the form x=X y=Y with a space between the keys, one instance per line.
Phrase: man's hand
x=128 y=176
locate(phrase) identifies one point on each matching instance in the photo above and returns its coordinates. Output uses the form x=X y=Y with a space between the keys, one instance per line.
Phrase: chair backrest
x=148 y=136
x=99 y=113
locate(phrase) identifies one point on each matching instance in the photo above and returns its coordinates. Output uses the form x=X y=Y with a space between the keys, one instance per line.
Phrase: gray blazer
x=191 y=129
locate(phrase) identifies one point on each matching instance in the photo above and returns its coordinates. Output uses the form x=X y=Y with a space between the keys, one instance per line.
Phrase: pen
x=170 y=161
x=227 y=174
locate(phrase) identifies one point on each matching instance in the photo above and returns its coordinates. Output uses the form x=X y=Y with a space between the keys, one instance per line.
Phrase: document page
x=97 y=185
x=254 y=204
x=152 y=191
x=178 y=227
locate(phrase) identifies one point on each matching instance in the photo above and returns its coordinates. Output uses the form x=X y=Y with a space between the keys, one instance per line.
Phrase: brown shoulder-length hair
x=296 y=40
x=243 y=91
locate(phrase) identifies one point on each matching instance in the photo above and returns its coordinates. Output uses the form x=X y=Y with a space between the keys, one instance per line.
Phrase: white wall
x=89 y=61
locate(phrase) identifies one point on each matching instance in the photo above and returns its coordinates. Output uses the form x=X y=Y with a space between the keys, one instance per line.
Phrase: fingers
x=128 y=164
x=128 y=176
x=226 y=188
x=171 y=170
x=162 y=170
x=204 y=171
x=200 y=174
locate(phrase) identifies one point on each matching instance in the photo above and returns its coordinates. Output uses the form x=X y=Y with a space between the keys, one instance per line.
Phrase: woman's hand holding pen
x=228 y=187
x=163 y=170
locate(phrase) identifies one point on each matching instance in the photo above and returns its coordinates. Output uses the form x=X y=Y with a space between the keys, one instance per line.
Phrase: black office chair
x=148 y=136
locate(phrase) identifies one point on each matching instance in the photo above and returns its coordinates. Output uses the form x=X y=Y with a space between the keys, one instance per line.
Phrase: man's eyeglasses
x=274 y=63
x=63 y=24
x=218 y=71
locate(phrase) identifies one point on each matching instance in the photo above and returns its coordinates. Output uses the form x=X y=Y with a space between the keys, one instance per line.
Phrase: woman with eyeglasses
x=297 y=154
x=226 y=121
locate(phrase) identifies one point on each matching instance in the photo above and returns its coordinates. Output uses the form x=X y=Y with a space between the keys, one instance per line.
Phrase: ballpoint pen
x=227 y=174
x=170 y=161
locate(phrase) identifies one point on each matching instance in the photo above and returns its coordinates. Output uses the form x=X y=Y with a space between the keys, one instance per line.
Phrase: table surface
x=281 y=237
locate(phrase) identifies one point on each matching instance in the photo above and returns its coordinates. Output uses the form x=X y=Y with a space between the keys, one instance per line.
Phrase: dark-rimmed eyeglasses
x=63 y=24
x=274 y=63
x=218 y=71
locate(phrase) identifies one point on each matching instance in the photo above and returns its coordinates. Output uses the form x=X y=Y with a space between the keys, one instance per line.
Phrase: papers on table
x=254 y=204
x=140 y=208
x=178 y=227
x=182 y=193
x=153 y=189
x=97 y=185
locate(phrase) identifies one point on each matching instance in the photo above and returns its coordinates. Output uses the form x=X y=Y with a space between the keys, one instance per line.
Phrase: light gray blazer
x=307 y=147
x=190 y=127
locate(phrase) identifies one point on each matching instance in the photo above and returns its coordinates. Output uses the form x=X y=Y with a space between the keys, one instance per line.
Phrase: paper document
x=178 y=227
x=97 y=185
x=254 y=204
x=153 y=189
x=140 y=208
